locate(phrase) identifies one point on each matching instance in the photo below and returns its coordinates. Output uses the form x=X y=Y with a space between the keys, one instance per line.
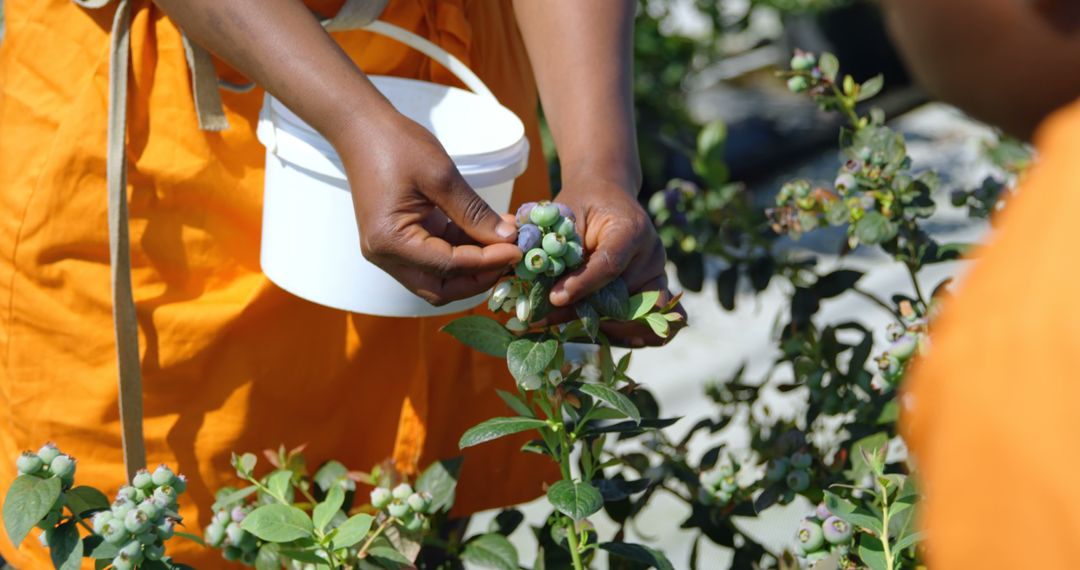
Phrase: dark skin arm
x=1007 y=62
x=400 y=175
x=582 y=55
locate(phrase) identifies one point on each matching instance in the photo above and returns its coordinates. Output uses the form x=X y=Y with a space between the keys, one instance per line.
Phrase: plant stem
x=367 y=544
x=915 y=284
x=571 y=538
x=874 y=299
x=886 y=549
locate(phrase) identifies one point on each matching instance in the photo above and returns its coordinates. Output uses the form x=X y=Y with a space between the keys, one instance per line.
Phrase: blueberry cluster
x=803 y=61
x=906 y=341
x=793 y=471
x=47 y=463
x=224 y=530
x=403 y=504
x=142 y=517
x=551 y=246
x=718 y=486
x=822 y=534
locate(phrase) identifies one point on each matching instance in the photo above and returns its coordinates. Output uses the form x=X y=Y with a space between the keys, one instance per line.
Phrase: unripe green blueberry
x=115 y=533
x=531 y=382
x=810 y=536
x=797 y=84
x=798 y=480
x=136 y=522
x=398 y=510
x=536 y=260
x=566 y=228
x=215 y=534
x=728 y=486
x=554 y=377
x=557 y=267
x=380 y=497
x=777 y=469
x=62 y=466
x=554 y=244
x=48 y=452
x=836 y=530
x=801 y=460
x=822 y=511
x=127 y=492
x=142 y=480
x=522 y=271
x=140 y=496
x=122 y=562
x=132 y=550
x=544 y=214
x=150 y=509
x=101 y=521
x=222 y=517
x=179 y=484
x=162 y=475
x=573 y=254
x=121 y=507
x=29 y=463
x=402 y=491
x=147 y=537
x=165 y=494
x=154 y=551
x=234 y=533
x=523 y=308
x=248 y=542
x=904 y=347
x=845 y=181
x=513 y=324
x=166 y=529
x=414 y=523
x=803 y=61
x=419 y=502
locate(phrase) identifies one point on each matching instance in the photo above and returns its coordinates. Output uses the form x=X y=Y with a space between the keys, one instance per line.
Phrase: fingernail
x=559 y=298
x=505 y=229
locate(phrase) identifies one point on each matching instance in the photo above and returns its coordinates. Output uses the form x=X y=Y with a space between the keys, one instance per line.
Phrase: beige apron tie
x=211 y=117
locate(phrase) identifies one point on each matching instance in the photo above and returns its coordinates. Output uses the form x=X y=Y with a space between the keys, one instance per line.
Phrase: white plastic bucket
x=310 y=239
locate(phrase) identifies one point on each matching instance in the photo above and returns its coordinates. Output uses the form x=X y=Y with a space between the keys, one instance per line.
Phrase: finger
x=439 y=290
x=601 y=267
x=469 y=211
x=434 y=255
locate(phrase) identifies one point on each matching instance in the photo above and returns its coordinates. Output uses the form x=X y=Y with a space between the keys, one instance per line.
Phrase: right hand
x=419 y=220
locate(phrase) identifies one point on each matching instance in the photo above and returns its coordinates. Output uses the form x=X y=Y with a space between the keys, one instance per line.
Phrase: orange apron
x=230 y=362
x=995 y=415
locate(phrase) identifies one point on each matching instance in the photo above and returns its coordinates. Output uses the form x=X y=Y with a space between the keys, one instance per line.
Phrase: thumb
x=470 y=212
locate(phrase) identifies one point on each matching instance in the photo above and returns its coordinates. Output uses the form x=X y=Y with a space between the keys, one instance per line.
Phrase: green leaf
x=829 y=65
x=233 y=497
x=278 y=523
x=245 y=463
x=526 y=357
x=874 y=228
x=86 y=500
x=28 y=500
x=324 y=512
x=639 y=553
x=642 y=303
x=590 y=319
x=857 y=516
x=268 y=558
x=334 y=474
x=908 y=540
x=353 y=530
x=576 y=500
x=612 y=301
x=192 y=537
x=491 y=551
x=538 y=300
x=613 y=398
x=872 y=554
x=279 y=482
x=515 y=404
x=440 y=480
x=871 y=87
x=727 y=282
x=99 y=549
x=836 y=283
x=481 y=333
x=65 y=547
x=388 y=554
x=658 y=324
x=859 y=466
x=496 y=428
x=302 y=556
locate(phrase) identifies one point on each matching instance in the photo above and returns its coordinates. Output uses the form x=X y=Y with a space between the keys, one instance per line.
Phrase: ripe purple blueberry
x=565 y=211
x=522 y=216
x=529 y=236
x=836 y=530
x=822 y=511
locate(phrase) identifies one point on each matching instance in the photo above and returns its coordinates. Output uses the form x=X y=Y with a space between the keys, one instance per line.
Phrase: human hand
x=419 y=220
x=619 y=241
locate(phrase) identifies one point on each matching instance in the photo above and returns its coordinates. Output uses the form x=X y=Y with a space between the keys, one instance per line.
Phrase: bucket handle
x=443 y=57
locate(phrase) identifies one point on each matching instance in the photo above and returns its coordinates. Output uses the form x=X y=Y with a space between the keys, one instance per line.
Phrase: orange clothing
x=996 y=404
x=230 y=362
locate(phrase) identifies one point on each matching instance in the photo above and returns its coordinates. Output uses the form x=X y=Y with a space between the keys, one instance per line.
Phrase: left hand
x=620 y=241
